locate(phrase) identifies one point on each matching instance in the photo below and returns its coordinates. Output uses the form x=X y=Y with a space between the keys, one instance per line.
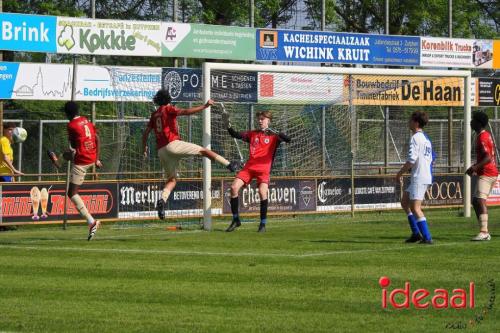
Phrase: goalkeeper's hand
x=225 y=120
x=271 y=131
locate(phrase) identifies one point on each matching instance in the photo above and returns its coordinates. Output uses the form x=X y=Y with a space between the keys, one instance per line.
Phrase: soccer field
x=306 y=274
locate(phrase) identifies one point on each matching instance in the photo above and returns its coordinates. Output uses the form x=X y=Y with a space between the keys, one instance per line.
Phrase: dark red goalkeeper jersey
x=262 y=150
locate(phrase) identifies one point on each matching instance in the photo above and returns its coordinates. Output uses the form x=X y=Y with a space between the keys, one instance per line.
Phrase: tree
x=471 y=19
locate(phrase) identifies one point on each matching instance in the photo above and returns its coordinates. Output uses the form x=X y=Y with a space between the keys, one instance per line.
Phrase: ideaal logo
x=421 y=298
x=461 y=298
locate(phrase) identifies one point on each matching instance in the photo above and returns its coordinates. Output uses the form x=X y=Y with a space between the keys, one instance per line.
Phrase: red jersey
x=82 y=136
x=164 y=124
x=486 y=147
x=262 y=150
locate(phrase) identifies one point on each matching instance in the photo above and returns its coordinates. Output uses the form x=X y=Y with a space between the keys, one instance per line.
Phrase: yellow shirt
x=5 y=149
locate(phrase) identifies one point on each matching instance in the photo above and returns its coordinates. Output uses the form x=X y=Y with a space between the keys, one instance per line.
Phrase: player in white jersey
x=420 y=159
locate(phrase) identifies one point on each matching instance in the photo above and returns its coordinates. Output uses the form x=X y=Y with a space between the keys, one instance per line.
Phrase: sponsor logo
x=25 y=33
x=65 y=38
x=324 y=192
x=173 y=83
x=496 y=94
x=266 y=85
x=269 y=39
x=106 y=41
x=421 y=298
x=276 y=195
x=430 y=92
x=306 y=193
x=30 y=203
x=171 y=34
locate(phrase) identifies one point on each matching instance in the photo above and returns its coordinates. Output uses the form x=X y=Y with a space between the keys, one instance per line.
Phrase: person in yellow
x=7 y=169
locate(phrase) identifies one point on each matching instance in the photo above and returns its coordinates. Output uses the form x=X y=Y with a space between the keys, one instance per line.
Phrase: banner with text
x=207 y=41
x=292 y=195
x=108 y=37
x=454 y=52
x=411 y=91
x=32 y=33
x=330 y=47
x=488 y=91
x=138 y=199
x=300 y=88
x=40 y=202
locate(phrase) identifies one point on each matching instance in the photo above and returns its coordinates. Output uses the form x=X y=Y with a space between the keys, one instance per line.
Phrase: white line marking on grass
x=318 y=254
x=144 y=251
x=228 y=254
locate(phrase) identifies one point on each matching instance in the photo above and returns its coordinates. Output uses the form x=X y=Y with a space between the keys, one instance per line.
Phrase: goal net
x=345 y=123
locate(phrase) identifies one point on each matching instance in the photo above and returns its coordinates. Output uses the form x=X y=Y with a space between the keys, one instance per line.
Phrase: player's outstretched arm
x=195 y=109
x=145 y=136
x=283 y=137
x=239 y=135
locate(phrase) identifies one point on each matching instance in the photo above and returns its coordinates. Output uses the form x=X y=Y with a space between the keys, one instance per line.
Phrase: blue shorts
x=6 y=179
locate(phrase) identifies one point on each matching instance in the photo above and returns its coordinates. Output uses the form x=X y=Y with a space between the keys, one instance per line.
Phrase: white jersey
x=421 y=156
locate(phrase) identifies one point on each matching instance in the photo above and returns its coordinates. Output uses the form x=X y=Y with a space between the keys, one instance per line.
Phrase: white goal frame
x=209 y=67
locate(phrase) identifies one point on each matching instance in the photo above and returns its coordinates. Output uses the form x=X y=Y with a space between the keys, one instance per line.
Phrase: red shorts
x=246 y=175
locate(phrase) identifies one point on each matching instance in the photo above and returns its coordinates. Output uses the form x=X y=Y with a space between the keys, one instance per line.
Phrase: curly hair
x=162 y=97
x=71 y=109
x=481 y=118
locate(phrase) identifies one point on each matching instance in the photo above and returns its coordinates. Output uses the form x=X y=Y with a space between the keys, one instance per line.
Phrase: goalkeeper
x=263 y=145
x=171 y=149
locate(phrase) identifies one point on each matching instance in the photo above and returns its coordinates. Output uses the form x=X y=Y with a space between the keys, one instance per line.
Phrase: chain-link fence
x=318 y=146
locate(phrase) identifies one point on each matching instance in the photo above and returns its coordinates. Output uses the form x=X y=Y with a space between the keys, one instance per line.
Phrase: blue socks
x=424 y=229
x=413 y=224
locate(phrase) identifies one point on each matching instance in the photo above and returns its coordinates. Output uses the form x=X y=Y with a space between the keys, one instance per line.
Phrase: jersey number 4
x=87 y=132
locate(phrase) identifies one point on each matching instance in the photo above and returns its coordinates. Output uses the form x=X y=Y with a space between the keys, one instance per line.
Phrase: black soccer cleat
x=262 y=228
x=234 y=224
x=160 y=207
x=414 y=238
x=233 y=166
x=53 y=158
x=426 y=242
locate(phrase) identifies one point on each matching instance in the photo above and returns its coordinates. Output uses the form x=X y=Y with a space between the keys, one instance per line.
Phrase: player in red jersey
x=485 y=170
x=84 y=153
x=263 y=145
x=171 y=149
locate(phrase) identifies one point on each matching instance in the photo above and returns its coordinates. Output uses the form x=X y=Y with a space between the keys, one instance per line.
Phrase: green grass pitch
x=306 y=274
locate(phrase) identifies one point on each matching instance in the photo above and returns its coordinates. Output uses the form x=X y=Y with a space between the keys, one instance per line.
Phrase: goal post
x=209 y=68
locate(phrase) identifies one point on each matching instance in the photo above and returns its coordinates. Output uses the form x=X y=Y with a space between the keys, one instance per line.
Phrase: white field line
x=227 y=254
